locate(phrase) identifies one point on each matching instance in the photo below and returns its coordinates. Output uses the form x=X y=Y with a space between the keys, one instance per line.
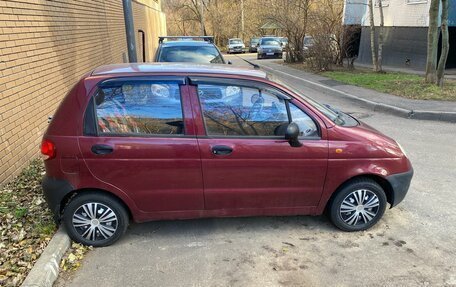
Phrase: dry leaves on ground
x=26 y=224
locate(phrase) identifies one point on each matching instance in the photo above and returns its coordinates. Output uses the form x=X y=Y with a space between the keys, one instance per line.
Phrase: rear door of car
x=139 y=137
x=246 y=161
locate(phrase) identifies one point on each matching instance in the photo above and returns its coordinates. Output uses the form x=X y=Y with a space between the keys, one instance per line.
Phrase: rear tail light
x=47 y=149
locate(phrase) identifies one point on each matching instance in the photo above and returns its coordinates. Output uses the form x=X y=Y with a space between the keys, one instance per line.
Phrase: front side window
x=139 y=108
x=193 y=54
x=244 y=111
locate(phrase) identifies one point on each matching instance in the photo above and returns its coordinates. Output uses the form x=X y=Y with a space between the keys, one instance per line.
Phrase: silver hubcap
x=95 y=221
x=359 y=207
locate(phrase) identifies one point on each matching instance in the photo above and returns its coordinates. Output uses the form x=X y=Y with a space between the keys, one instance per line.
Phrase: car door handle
x=102 y=149
x=221 y=150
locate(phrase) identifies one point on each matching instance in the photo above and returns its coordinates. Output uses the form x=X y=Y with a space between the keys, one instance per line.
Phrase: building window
x=385 y=3
x=416 y=1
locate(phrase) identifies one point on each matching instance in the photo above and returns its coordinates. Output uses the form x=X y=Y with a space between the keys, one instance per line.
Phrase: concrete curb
x=376 y=106
x=46 y=269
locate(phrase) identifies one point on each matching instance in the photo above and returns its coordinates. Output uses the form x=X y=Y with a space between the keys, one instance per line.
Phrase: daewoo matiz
x=174 y=141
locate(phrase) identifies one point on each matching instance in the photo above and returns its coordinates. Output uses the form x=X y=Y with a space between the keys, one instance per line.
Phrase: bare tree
x=379 y=67
x=372 y=35
x=435 y=74
x=433 y=42
x=445 y=44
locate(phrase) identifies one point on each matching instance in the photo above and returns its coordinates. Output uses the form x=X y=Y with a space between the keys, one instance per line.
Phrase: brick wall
x=45 y=47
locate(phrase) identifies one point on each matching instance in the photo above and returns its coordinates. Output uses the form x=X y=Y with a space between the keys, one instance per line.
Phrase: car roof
x=185 y=68
x=187 y=43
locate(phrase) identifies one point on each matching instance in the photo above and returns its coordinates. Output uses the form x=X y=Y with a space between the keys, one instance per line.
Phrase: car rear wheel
x=358 y=205
x=95 y=219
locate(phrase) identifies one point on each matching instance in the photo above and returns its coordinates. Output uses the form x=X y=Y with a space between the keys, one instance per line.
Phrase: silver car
x=235 y=45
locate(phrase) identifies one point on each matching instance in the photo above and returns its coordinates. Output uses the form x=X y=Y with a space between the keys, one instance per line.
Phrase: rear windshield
x=270 y=41
x=193 y=54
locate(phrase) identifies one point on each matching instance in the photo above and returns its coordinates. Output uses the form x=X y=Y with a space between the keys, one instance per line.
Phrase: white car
x=235 y=45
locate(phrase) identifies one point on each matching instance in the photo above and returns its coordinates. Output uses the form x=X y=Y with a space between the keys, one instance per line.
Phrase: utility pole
x=203 y=30
x=242 y=20
x=130 y=31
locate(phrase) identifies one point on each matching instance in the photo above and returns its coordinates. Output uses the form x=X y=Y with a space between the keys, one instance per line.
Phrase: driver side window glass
x=139 y=108
x=307 y=127
x=242 y=111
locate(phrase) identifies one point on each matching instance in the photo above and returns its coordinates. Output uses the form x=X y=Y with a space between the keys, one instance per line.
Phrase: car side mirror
x=230 y=63
x=292 y=135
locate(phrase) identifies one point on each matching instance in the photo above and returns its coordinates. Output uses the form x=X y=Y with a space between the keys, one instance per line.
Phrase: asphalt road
x=413 y=245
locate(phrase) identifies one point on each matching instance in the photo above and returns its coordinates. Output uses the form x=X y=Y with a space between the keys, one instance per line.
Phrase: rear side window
x=139 y=108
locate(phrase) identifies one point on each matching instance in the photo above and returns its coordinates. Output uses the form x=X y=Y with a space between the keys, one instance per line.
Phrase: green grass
x=399 y=84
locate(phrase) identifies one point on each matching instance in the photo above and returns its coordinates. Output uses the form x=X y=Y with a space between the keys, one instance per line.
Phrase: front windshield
x=270 y=42
x=236 y=41
x=255 y=41
x=194 y=54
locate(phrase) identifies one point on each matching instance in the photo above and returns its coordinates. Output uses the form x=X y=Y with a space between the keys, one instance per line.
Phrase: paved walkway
x=420 y=109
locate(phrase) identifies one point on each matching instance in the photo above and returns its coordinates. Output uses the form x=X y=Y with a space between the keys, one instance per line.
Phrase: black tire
x=353 y=216
x=108 y=210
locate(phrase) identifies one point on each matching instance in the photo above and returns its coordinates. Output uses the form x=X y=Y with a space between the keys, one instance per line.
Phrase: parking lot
x=413 y=245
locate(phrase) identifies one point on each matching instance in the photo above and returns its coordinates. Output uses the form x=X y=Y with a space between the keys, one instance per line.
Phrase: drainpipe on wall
x=130 y=31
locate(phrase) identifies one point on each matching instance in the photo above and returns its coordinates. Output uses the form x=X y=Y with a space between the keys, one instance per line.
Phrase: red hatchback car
x=175 y=141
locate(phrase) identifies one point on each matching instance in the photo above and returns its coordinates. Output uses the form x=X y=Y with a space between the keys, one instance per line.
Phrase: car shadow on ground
x=208 y=226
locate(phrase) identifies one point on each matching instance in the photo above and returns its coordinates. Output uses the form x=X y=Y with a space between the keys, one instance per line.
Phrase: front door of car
x=139 y=138
x=246 y=161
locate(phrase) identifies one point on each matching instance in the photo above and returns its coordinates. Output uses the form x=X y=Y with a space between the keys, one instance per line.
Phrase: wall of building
x=45 y=47
x=401 y=13
x=404 y=47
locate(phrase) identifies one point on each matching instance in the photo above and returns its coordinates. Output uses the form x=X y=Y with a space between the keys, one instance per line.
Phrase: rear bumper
x=400 y=183
x=55 y=191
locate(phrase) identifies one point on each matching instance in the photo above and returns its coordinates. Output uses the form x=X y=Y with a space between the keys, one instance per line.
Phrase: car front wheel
x=95 y=219
x=358 y=205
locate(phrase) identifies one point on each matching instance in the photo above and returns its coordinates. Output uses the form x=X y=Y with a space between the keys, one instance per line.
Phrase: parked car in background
x=284 y=41
x=235 y=45
x=253 y=44
x=194 y=49
x=169 y=141
x=308 y=43
x=269 y=47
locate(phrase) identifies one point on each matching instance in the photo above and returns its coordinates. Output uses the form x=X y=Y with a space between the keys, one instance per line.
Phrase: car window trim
x=202 y=80
x=91 y=107
x=180 y=80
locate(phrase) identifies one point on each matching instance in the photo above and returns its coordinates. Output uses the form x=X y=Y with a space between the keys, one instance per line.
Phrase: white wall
x=401 y=13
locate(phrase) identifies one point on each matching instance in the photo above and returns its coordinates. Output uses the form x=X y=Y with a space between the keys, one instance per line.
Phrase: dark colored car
x=188 y=49
x=253 y=45
x=174 y=141
x=269 y=47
